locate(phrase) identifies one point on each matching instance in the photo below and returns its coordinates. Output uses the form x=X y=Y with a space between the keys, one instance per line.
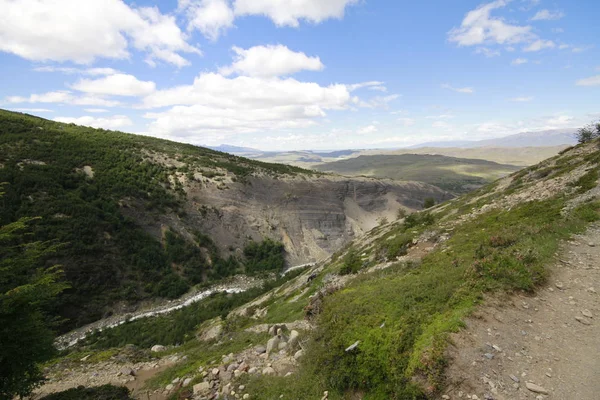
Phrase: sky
x=304 y=74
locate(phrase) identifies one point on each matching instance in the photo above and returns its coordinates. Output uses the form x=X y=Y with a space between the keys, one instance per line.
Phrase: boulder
x=158 y=348
x=282 y=345
x=272 y=344
x=260 y=349
x=268 y=371
x=201 y=388
x=294 y=339
x=127 y=372
x=298 y=354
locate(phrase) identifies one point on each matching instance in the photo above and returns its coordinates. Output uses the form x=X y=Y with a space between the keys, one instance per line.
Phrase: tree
x=26 y=292
x=588 y=133
x=428 y=203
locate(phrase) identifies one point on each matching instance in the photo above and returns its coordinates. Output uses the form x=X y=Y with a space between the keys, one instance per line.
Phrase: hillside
x=374 y=320
x=138 y=218
x=458 y=175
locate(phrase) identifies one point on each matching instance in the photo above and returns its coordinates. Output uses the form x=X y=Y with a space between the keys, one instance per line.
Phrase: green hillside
x=80 y=180
x=458 y=175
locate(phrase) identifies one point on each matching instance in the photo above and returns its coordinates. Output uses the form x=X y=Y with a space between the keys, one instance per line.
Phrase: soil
x=550 y=339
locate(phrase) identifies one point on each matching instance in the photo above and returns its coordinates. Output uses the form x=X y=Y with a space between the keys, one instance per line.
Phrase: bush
x=428 y=203
x=352 y=263
x=106 y=392
x=588 y=133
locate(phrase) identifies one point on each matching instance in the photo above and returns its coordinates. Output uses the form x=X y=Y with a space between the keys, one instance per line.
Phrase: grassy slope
x=107 y=257
x=454 y=174
x=402 y=315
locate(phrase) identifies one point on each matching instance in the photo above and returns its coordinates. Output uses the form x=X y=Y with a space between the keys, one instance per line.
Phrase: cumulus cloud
x=95 y=110
x=64 y=97
x=519 y=61
x=82 y=31
x=289 y=13
x=547 y=15
x=540 y=44
x=367 y=129
x=214 y=102
x=376 y=101
x=211 y=17
x=521 y=99
x=32 y=110
x=489 y=53
x=118 y=84
x=368 y=85
x=82 y=71
x=468 y=90
x=480 y=27
x=270 y=61
x=591 y=81
x=113 y=122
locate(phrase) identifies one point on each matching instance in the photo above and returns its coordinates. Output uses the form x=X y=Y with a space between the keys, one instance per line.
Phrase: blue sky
x=304 y=74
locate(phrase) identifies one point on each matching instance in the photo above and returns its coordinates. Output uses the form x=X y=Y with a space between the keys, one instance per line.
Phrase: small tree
x=26 y=292
x=428 y=203
x=588 y=133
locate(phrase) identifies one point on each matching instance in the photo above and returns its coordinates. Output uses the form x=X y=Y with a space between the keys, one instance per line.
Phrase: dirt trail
x=551 y=339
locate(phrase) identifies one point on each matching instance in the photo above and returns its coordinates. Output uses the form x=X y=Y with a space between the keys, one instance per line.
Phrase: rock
x=272 y=344
x=215 y=371
x=352 y=346
x=174 y=381
x=157 y=348
x=592 y=244
x=169 y=387
x=252 y=370
x=445 y=397
x=282 y=345
x=298 y=354
x=237 y=373
x=268 y=371
x=127 y=372
x=186 y=382
x=212 y=332
x=325 y=395
x=243 y=367
x=535 y=388
x=583 y=320
x=514 y=378
x=489 y=356
x=559 y=285
x=279 y=332
x=246 y=396
x=497 y=348
x=85 y=358
x=201 y=388
x=260 y=349
x=587 y=313
x=241 y=388
x=293 y=340
x=232 y=367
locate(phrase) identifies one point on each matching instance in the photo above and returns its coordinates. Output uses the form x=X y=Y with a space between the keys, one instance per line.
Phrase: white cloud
x=468 y=90
x=519 y=61
x=370 y=84
x=82 y=31
x=521 y=99
x=367 y=129
x=479 y=27
x=441 y=125
x=270 y=61
x=547 y=15
x=289 y=13
x=64 y=97
x=406 y=121
x=32 y=110
x=581 y=49
x=71 y=70
x=558 y=30
x=441 y=116
x=591 y=81
x=563 y=47
x=540 y=44
x=95 y=110
x=376 y=102
x=118 y=84
x=489 y=53
x=113 y=122
x=211 y=17
x=560 y=120
x=215 y=103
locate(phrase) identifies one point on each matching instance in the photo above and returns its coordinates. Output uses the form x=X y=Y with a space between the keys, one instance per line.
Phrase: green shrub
x=351 y=263
x=106 y=392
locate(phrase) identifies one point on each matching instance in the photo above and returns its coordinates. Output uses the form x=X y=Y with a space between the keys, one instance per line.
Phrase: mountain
x=379 y=318
x=225 y=148
x=138 y=218
x=458 y=175
x=527 y=139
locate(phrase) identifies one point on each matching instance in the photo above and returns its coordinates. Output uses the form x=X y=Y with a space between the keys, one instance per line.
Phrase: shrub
x=106 y=392
x=352 y=263
x=428 y=203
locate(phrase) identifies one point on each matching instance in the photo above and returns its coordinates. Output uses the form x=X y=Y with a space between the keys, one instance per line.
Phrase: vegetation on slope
x=457 y=175
x=78 y=180
x=402 y=315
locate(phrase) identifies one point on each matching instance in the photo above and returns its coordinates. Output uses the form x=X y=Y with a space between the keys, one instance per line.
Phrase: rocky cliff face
x=312 y=215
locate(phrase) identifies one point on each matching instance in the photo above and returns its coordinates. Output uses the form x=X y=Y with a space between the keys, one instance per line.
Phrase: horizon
x=349 y=74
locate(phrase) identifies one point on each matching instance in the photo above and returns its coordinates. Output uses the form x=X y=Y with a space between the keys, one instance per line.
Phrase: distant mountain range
x=526 y=139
